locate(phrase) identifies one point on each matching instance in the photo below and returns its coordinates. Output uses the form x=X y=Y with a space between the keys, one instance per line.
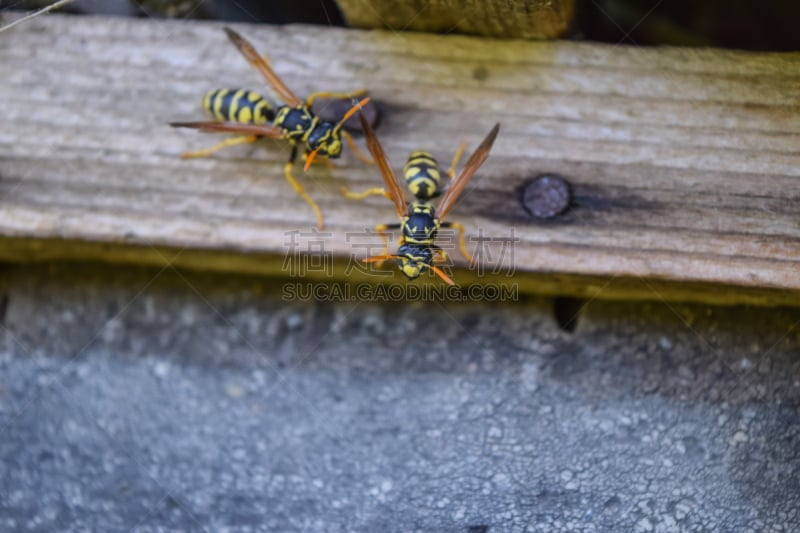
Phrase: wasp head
x=326 y=140
x=414 y=260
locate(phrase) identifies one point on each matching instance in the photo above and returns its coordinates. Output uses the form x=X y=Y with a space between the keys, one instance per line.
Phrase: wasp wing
x=475 y=161
x=263 y=130
x=375 y=148
x=260 y=64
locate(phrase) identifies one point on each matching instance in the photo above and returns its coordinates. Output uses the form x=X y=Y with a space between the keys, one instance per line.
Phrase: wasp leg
x=441 y=257
x=227 y=142
x=336 y=95
x=374 y=191
x=287 y=170
x=462 y=240
x=456 y=157
x=381 y=230
x=356 y=150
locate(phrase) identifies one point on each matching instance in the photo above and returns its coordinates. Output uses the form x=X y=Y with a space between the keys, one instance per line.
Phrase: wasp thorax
x=420 y=225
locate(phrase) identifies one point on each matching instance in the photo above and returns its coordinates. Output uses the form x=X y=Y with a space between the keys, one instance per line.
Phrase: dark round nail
x=546 y=196
x=334 y=109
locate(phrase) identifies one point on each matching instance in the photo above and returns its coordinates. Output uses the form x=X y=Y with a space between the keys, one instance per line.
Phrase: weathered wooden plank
x=526 y=19
x=684 y=163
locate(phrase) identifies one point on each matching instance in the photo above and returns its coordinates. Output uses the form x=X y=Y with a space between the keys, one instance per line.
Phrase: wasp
x=419 y=220
x=252 y=117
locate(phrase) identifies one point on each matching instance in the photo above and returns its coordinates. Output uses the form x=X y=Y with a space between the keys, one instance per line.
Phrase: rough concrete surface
x=139 y=400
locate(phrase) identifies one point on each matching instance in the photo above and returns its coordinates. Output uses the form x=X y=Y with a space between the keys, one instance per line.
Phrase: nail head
x=546 y=196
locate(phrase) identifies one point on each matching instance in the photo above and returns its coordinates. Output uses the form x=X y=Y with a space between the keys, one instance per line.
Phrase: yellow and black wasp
x=251 y=116
x=420 y=221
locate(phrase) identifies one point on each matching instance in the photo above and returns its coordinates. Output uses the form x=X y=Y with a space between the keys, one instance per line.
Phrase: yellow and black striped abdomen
x=422 y=175
x=238 y=105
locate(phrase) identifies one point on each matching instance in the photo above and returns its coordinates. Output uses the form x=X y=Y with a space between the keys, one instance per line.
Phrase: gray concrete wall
x=144 y=400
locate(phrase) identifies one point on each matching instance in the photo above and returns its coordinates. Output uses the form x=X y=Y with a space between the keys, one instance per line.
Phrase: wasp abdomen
x=422 y=175
x=238 y=105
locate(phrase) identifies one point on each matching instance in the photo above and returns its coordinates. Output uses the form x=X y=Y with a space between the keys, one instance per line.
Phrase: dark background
x=738 y=24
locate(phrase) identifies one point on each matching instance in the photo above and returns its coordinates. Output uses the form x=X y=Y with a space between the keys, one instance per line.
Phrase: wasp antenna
x=376 y=258
x=439 y=272
x=310 y=159
x=352 y=111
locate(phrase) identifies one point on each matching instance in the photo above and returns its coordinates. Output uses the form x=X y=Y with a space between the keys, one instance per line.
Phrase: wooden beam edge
x=340 y=271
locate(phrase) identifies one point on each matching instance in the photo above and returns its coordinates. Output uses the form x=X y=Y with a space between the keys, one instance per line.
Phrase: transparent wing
x=260 y=64
x=375 y=148
x=474 y=162
x=264 y=130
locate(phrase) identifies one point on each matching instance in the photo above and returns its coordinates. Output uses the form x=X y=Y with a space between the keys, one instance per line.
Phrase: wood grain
x=685 y=164
x=524 y=19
